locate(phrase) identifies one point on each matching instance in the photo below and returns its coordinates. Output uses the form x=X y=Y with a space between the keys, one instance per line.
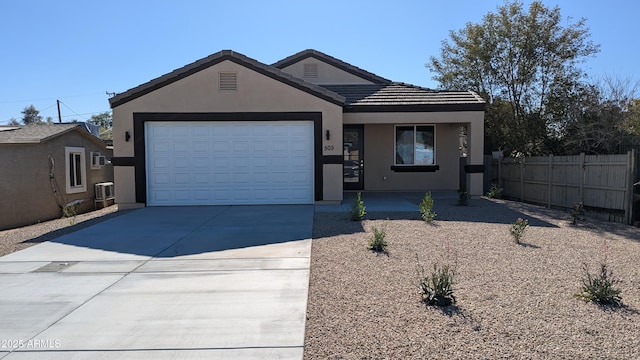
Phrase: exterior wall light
x=127 y=136
x=328 y=135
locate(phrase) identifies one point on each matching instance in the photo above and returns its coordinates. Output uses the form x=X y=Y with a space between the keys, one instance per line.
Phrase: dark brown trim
x=413 y=108
x=123 y=161
x=139 y=147
x=333 y=159
x=474 y=169
x=214 y=59
x=415 y=168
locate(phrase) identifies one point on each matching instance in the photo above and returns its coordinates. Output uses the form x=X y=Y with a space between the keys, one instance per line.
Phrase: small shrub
x=426 y=208
x=463 y=197
x=600 y=289
x=70 y=211
x=377 y=242
x=357 y=208
x=495 y=192
x=436 y=289
x=577 y=213
x=518 y=228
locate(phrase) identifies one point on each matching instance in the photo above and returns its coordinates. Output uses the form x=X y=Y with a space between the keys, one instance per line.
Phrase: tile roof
x=32 y=133
x=216 y=58
x=332 y=61
x=405 y=97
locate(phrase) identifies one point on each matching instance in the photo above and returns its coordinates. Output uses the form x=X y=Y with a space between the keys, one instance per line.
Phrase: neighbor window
x=75 y=165
x=415 y=145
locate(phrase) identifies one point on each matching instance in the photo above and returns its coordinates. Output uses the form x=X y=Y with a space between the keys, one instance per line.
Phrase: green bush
x=70 y=211
x=495 y=192
x=518 y=228
x=577 y=213
x=357 y=208
x=426 y=208
x=436 y=289
x=377 y=242
x=600 y=289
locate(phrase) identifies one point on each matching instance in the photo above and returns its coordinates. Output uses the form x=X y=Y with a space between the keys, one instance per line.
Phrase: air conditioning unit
x=104 y=191
x=97 y=160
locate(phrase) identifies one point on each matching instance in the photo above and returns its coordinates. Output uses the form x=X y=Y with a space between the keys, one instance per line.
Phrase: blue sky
x=75 y=51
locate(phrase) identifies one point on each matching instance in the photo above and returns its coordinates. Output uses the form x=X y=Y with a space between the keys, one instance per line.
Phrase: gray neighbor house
x=47 y=167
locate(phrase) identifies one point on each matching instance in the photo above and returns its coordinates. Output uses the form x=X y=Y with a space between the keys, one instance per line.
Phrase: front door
x=353 y=157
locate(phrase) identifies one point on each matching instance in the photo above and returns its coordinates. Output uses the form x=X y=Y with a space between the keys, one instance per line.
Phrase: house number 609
x=328 y=147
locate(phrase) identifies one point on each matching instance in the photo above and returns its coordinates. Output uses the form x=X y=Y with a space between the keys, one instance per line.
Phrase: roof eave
x=217 y=58
x=354 y=70
x=414 y=108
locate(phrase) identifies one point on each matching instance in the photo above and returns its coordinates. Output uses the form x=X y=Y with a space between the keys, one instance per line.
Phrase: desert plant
x=357 y=208
x=436 y=288
x=495 y=192
x=463 y=197
x=426 y=208
x=577 y=213
x=377 y=242
x=70 y=211
x=518 y=228
x=600 y=289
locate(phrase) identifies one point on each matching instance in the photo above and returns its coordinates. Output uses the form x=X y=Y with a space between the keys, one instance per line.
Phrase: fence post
x=628 y=198
x=522 y=179
x=550 y=179
x=582 y=173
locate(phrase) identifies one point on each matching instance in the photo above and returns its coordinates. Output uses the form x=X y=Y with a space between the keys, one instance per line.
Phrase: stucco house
x=47 y=167
x=228 y=129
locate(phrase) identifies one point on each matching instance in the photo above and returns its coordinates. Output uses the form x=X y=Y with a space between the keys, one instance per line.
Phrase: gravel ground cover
x=514 y=301
x=21 y=238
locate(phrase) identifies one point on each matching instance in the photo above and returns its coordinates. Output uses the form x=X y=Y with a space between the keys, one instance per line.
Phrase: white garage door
x=223 y=163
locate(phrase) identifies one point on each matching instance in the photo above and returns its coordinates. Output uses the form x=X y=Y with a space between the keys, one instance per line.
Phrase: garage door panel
x=209 y=163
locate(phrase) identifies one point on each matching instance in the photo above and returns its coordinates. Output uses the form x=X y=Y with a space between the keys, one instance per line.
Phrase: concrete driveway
x=215 y=282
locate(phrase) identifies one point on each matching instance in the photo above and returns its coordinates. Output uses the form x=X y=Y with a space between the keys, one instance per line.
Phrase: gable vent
x=228 y=81
x=311 y=71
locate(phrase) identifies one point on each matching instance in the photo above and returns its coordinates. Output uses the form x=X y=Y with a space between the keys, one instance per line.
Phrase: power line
x=65 y=105
x=48 y=98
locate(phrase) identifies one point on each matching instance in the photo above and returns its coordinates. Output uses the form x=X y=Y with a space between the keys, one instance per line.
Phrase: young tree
x=31 y=116
x=519 y=62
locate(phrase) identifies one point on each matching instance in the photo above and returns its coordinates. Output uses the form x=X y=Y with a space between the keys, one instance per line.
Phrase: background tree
x=103 y=120
x=13 y=122
x=603 y=119
x=519 y=62
x=31 y=116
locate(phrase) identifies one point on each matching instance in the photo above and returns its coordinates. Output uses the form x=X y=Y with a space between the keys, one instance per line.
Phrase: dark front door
x=353 y=157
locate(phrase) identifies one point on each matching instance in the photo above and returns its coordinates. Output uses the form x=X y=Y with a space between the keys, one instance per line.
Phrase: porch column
x=475 y=148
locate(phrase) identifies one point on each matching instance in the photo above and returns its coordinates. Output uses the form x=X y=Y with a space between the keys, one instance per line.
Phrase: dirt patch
x=514 y=301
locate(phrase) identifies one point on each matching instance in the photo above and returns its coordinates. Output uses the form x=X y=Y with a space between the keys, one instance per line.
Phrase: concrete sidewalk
x=213 y=282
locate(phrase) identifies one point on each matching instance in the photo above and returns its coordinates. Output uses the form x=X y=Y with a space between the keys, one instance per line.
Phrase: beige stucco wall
x=379 y=150
x=199 y=93
x=379 y=157
x=27 y=193
x=327 y=74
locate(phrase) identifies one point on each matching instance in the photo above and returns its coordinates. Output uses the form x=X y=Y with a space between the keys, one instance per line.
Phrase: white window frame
x=71 y=182
x=415 y=126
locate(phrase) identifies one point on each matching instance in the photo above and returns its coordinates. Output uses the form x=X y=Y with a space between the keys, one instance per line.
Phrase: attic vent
x=228 y=81
x=311 y=71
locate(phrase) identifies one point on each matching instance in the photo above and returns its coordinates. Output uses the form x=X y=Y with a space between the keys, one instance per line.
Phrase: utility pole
x=59 y=116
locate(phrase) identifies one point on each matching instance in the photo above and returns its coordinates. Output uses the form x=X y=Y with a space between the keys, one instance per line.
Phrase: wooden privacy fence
x=603 y=183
